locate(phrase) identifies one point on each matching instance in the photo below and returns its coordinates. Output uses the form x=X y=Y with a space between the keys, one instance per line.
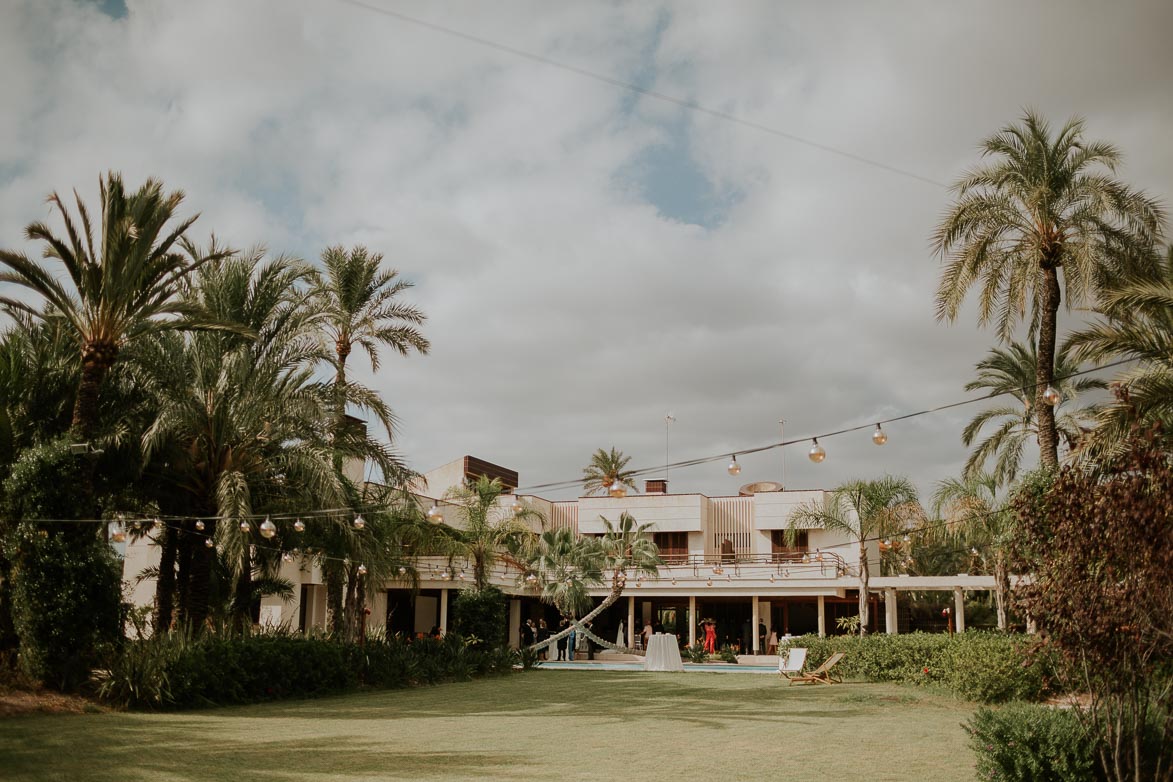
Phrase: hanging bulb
x=1051 y=396
x=299 y=526
x=709 y=582
x=734 y=468
x=617 y=489
x=199 y=525
x=286 y=557
x=434 y=513
x=362 y=570
x=817 y=453
x=673 y=580
x=402 y=570
x=879 y=437
x=117 y=532
x=772 y=578
x=156 y=523
x=516 y=507
x=887 y=543
x=461 y=575
x=268 y=528
x=208 y=543
x=973 y=550
x=244 y=526
x=729 y=578
x=907 y=539
x=359 y=522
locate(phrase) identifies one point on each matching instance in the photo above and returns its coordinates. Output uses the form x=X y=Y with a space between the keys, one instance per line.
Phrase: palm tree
x=606 y=472
x=864 y=511
x=974 y=513
x=1044 y=203
x=241 y=426
x=1137 y=323
x=487 y=526
x=121 y=289
x=625 y=547
x=1011 y=371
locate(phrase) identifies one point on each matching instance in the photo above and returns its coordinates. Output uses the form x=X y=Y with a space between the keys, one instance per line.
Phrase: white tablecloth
x=663 y=654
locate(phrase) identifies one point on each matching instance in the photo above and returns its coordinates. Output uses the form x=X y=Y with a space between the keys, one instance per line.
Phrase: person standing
x=544 y=635
x=570 y=639
x=647 y=634
x=761 y=637
x=562 y=641
x=710 y=637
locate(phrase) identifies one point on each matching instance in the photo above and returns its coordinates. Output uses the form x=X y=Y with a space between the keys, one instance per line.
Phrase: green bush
x=482 y=615
x=67 y=605
x=1024 y=743
x=978 y=666
x=727 y=655
x=696 y=653
x=140 y=674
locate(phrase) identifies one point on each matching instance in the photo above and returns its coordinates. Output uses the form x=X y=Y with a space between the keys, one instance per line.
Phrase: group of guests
x=564 y=647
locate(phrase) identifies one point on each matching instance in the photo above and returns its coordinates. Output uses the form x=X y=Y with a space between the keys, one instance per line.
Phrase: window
x=783 y=552
x=673 y=546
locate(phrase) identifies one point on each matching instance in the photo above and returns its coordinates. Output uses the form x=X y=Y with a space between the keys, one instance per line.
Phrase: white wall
x=668 y=512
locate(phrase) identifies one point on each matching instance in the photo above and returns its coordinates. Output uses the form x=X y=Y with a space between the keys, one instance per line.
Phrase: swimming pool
x=688 y=667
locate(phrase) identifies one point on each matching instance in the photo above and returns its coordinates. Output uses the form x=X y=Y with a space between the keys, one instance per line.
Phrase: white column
x=890 y=620
x=959 y=609
x=514 y=624
x=754 y=633
x=822 y=618
x=631 y=621
x=444 y=611
x=692 y=620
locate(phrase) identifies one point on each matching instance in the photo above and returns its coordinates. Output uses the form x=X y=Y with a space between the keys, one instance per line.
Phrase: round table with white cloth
x=663 y=654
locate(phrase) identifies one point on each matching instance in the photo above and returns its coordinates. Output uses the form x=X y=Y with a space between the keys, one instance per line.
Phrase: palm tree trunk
x=199 y=589
x=1001 y=589
x=243 y=599
x=186 y=545
x=350 y=607
x=1045 y=369
x=864 y=574
x=336 y=620
x=165 y=587
x=85 y=407
x=608 y=601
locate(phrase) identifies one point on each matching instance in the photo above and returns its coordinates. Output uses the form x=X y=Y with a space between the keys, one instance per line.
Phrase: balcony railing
x=780 y=563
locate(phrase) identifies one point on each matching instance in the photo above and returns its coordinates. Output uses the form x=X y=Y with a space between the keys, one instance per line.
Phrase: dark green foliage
x=1023 y=743
x=978 y=666
x=43 y=484
x=727 y=655
x=66 y=604
x=172 y=671
x=696 y=653
x=481 y=615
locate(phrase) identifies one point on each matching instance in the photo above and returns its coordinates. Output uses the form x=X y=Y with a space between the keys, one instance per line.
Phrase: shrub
x=727 y=655
x=978 y=666
x=1023 y=743
x=67 y=605
x=481 y=614
x=696 y=653
x=140 y=674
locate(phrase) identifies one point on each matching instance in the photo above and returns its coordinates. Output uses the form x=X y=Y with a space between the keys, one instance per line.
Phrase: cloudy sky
x=591 y=258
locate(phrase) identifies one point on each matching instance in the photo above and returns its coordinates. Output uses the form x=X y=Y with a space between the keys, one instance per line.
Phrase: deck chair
x=794 y=662
x=822 y=674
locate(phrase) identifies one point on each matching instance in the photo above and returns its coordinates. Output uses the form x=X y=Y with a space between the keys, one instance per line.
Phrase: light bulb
x=772 y=579
x=734 y=468
x=359 y=522
x=617 y=489
x=879 y=437
x=887 y=542
x=434 y=513
x=199 y=525
x=208 y=543
x=268 y=528
x=709 y=582
x=402 y=570
x=117 y=532
x=299 y=526
x=674 y=581
x=362 y=570
x=517 y=507
x=286 y=557
x=244 y=526
x=1051 y=396
x=817 y=453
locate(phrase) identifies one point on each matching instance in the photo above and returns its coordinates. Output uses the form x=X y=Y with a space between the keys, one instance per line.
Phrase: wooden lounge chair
x=794 y=662
x=822 y=674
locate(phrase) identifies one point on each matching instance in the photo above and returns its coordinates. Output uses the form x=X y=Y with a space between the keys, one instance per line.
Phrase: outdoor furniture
x=794 y=662
x=663 y=654
x=822 y=674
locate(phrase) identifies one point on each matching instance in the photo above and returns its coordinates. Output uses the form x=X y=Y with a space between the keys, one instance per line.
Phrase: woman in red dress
x=710 y=638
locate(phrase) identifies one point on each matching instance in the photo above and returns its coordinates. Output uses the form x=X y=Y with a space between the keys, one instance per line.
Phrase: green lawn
x=543 y=725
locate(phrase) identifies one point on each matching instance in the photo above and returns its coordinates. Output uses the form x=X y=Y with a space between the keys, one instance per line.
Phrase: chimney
x=656 y=486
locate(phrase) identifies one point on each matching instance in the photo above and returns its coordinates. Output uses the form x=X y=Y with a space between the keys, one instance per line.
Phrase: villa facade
x=725 y=558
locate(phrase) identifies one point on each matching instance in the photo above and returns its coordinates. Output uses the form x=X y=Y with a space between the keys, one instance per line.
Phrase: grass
x=540 y=725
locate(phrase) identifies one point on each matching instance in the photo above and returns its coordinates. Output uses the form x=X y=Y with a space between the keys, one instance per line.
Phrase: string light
x=516 y=507
x=734 y=468
x=402 y=570
x=244 y=527
x=299 y=526
x=617 y=489
x=286 y=557
x=268 y=528
x=434 y=513
x=359 y=522
x=1052 y=396
x=362 y=570
x=117 y=532
x=208 y=543
x=879 y=437
x=817 y=453
x=199 y=525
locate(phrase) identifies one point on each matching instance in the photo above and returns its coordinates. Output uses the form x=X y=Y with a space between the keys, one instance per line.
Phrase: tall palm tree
x=361 y=306
x=1136 y=323
x=864 y=511
x=625 y=548
x=1043 y=203
x=241 y=426
x=606 y=471
x=120 y=289
x=974 y=513
x=487 y=527
x=1012 y=371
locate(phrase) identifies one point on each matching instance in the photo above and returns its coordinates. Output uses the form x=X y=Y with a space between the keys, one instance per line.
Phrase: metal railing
x=778 y=563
